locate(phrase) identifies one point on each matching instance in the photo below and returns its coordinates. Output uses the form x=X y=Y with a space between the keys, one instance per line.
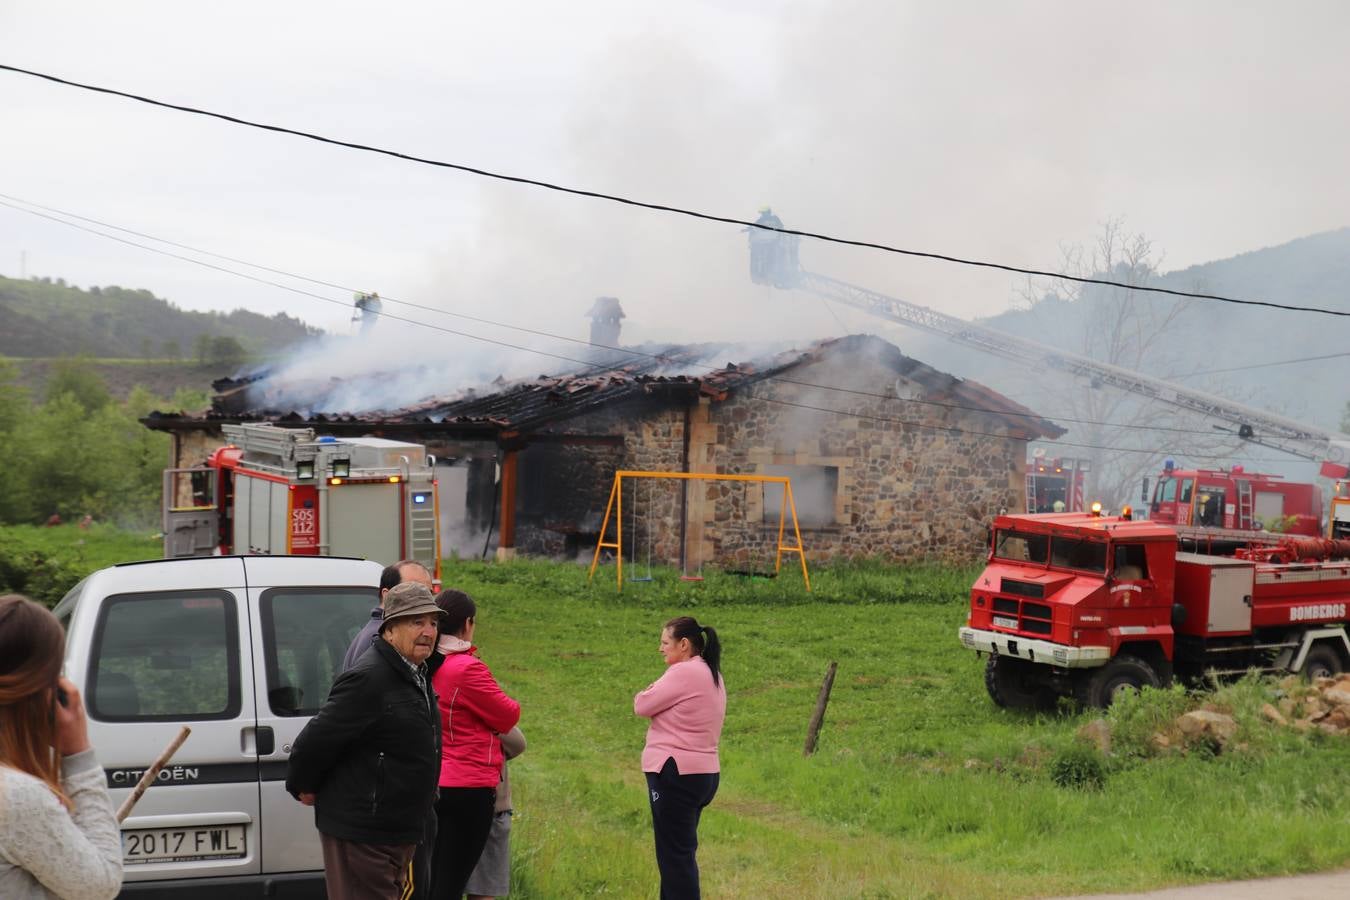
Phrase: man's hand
x=307 y=798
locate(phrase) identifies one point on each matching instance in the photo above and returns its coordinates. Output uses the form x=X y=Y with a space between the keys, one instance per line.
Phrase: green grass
x=920 y=786
x=44 y=563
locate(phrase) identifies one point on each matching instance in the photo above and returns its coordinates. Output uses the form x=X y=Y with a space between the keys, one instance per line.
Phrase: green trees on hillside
x=78 y=452
x=45 y=317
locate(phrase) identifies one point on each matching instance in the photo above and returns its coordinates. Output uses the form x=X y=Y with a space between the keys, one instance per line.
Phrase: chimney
x=606 y=317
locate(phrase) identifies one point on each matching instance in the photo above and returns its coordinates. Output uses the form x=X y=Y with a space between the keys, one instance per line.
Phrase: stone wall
x=915 y=481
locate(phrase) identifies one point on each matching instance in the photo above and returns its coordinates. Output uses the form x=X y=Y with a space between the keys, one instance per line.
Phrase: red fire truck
x=1083 y=605
x=1235 y=499
x=1057 y=480
x=275 y=490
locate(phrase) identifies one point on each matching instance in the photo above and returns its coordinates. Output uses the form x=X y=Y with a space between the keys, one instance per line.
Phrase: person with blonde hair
x=58 y=833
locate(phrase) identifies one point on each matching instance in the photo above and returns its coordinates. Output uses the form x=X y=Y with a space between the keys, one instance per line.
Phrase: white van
x=243 y=650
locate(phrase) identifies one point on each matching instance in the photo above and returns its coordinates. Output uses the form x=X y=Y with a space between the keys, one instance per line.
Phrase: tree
x=1122 y=435
x=76 y=377
x=202 y=349
x=171 y=350
x=226 y=351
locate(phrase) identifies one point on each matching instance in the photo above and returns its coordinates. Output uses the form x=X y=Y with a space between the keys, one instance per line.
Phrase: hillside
x=43 y=318
x=1209 y=336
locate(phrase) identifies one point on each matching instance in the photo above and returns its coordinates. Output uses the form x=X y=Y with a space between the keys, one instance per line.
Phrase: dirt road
x=1296 y=887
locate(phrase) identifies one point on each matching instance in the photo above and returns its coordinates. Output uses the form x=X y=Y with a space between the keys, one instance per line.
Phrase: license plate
x=183 y=844
x=1005 y=622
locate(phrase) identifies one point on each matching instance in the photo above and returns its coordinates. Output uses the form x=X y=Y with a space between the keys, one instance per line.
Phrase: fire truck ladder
x=1244 y=504
x=1249 y=423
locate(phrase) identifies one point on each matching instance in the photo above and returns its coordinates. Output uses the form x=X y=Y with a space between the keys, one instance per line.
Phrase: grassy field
x=44 y=562
x=920 y=787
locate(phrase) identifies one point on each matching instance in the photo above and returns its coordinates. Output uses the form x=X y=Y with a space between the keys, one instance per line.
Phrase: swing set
x=614 y=510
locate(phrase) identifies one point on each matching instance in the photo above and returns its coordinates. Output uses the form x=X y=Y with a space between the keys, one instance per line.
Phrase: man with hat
x=369 y=760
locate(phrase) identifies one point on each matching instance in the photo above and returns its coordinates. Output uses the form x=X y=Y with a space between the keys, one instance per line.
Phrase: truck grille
x=1031 y=617
x=1023 y=588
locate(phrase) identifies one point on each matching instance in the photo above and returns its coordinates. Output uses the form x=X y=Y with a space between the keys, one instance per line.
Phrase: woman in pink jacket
x=686 y=705
x=474 y=712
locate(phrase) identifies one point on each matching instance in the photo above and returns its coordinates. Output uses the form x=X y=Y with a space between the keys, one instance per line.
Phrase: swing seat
x=691 y=577
x=641 y=579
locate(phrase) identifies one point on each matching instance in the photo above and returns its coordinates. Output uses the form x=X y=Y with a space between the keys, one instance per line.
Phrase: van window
x=306 y=633
x=166 y=656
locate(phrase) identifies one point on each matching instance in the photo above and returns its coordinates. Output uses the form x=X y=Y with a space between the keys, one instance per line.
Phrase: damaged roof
x=530 y=405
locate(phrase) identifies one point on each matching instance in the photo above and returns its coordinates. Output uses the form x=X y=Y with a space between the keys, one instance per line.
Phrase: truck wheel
x=1322 y=661
x=1124 y=673
x=1012 y=684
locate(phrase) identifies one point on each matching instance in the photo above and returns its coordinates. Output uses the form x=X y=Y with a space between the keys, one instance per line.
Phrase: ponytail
x=702 y=639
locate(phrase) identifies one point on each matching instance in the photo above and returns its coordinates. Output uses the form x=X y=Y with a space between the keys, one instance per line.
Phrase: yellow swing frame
x=614 y=509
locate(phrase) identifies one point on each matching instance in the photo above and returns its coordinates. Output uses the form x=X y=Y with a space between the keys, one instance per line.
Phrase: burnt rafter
x=658 y=375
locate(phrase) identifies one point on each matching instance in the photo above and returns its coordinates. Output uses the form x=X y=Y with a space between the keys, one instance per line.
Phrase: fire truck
x=1088 y=606
x=1234 y=499
x=1338 y=517
x=1052 y=480
x=275 y=490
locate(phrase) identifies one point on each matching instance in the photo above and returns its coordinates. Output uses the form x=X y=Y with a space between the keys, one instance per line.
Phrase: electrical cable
x=630 y=352
x=952 y=429
x=1282 y=362
x=304 y=293
x=660 y=207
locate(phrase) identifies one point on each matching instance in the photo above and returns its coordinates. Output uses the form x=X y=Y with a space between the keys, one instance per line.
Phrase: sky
x=996 y=131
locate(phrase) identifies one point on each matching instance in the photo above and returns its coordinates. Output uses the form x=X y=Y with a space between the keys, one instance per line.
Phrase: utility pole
x=23 y=265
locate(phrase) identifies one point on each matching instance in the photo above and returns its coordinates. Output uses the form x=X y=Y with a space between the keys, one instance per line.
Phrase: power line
x=844 y=413
x=632 y=353
x=288 y=274
x=952 y=429
x=660 y=207
x=1282 y=362
x=296 y=290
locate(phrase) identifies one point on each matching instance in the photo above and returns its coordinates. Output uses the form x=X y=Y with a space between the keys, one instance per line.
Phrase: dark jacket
x=371 y=754
x=361 y=643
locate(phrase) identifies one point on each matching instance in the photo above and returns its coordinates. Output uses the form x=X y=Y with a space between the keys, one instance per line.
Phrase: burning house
x=888 y=456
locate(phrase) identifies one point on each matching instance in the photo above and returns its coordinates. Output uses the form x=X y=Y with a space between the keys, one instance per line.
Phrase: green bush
x=1079 y=768
x=44 y=563
x=1136 y=717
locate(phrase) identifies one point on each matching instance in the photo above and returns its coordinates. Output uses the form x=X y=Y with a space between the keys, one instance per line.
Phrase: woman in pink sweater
x=475 y=712
x=686 y=705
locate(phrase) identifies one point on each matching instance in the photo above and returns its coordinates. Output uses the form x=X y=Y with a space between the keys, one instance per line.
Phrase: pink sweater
x=686 y=710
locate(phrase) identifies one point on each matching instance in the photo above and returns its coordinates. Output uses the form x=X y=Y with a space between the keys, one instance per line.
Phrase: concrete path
x=1322 y=886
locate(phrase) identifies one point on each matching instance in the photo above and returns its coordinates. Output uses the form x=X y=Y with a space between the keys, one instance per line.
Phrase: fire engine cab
x=1234 y=499
x=1055 y=484
x=276 y=490
x=1085 y=605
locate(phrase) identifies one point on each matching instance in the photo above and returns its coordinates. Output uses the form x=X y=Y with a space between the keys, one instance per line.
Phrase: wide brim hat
x=409 y=598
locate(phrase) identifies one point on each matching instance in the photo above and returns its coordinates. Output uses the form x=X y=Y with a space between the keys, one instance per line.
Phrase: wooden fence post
x=818 y=717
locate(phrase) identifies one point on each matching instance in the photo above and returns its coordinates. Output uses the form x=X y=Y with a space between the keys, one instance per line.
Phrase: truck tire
x=1124 y=673
x=1322 y=661
x=1012 y=685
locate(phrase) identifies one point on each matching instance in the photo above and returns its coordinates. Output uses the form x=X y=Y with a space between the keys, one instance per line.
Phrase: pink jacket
x=686 y=710
x=474 y=710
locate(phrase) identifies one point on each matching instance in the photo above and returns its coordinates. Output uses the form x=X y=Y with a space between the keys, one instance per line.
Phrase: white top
x=49 y=853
